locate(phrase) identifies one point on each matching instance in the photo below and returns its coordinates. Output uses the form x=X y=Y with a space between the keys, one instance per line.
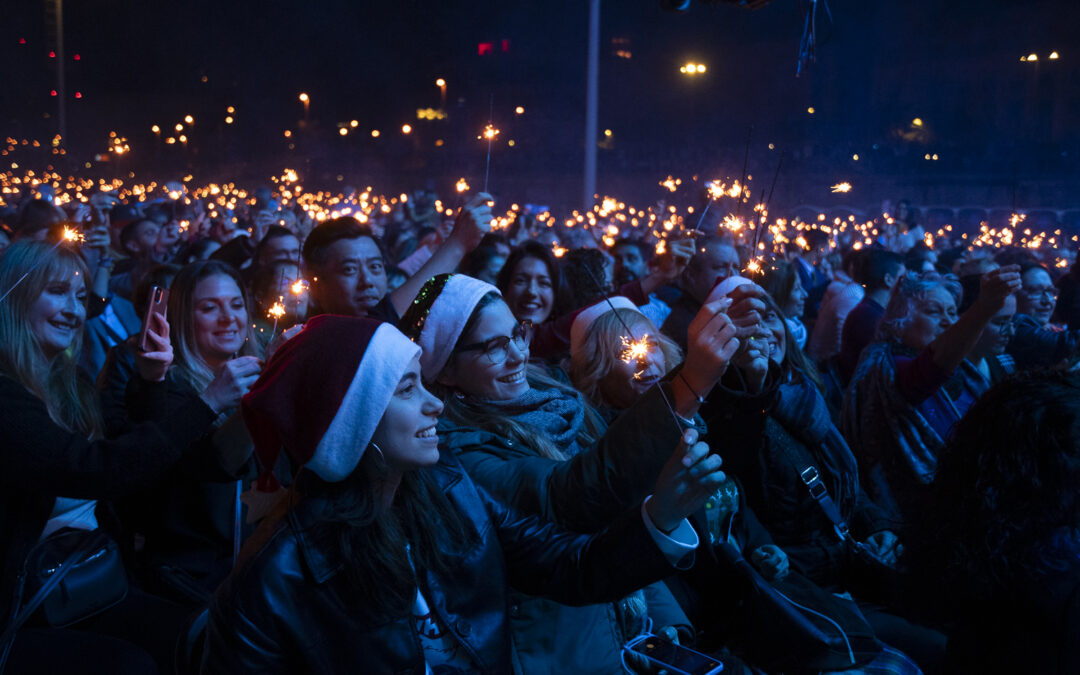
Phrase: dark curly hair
x=1004 y=504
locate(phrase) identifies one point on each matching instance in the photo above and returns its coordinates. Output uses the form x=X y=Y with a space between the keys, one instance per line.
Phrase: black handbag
x=793 y=625
x=71 y=575
x=90 y=571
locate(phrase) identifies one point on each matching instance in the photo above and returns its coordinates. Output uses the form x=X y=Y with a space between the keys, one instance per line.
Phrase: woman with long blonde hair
x=188 y=521
x=57 y=465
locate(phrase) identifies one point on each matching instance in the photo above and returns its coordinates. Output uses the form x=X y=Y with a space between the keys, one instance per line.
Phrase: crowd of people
x=269 y=443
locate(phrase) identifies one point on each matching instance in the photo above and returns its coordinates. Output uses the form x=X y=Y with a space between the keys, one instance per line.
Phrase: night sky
x=954 y=65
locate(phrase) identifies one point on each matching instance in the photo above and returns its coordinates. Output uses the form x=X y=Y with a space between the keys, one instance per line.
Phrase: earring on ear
x=382 y=457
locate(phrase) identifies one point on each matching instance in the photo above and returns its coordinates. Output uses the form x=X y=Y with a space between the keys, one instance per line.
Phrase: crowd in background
x=887 y=432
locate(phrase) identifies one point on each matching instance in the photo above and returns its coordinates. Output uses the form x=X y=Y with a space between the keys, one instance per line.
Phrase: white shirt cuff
x=676 y=546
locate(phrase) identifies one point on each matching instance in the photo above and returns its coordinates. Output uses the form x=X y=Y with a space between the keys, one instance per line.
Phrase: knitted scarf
x=560 y=416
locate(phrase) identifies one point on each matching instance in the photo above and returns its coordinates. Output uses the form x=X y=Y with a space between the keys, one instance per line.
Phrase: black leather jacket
x=282 y=610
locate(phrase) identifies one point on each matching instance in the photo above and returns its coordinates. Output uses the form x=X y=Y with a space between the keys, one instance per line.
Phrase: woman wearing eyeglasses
x=1039 y=343
x=534 y=442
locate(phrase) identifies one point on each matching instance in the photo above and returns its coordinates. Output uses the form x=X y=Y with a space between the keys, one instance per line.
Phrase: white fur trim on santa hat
x=580 y=328
x=726 y=286
x=447 y=318
x=377 y=377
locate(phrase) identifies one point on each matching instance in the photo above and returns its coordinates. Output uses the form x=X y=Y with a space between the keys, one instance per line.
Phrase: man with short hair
x=632 y=259
x=714 y=260
x=878 y=273
x=346 y=264
x=141 y=241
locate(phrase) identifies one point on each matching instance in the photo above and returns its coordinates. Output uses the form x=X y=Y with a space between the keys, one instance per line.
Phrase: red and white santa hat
x=322 y=394
x=438 y=315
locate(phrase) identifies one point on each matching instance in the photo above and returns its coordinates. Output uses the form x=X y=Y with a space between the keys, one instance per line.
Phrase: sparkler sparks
x=73 y=235
x=276 y=311
x=299 y=287
x=842 y=187
x=634 y=350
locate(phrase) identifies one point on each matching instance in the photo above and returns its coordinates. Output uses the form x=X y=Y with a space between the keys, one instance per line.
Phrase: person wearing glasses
x=1037 y=342
x=533 y=442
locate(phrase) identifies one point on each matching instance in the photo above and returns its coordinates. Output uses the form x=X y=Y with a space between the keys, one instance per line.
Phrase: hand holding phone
x=156 y=304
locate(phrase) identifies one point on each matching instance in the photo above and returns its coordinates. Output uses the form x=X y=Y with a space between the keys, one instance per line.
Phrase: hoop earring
x=382 y=457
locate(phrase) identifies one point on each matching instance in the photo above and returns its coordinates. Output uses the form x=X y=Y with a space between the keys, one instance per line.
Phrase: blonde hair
x=71 y=401
x=188 y=364
x=602 y=347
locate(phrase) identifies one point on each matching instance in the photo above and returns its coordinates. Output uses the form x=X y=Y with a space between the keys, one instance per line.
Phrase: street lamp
x=306 y=100
x=441 y=84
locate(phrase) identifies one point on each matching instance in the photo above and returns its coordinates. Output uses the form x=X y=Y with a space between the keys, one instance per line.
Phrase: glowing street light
x=343 y=131
x=693 y=69
x=1054 y=56
x=406 y=129
x=189 y=119
x=520 y=110
x=306 y=100
x=441 y=84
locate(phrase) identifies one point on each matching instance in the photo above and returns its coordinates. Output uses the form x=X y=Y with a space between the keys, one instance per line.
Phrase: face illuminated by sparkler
x=58 y=314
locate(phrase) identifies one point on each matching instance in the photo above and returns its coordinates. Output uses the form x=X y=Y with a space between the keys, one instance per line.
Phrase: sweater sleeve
x=919 y=378
x=39 y=455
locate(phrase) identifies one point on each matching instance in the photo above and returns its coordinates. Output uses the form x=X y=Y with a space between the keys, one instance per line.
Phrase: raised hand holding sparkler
x=710 y=343
x=473 y=221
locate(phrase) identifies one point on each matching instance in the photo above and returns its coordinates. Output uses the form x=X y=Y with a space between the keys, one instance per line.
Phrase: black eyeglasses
x=496 y=348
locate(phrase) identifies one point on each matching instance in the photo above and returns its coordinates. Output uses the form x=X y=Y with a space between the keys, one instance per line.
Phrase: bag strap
x=238 y=521
x=811 y=478
x=22 y=614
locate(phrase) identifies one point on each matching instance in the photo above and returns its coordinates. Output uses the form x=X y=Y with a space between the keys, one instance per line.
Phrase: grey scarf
x=557 y=415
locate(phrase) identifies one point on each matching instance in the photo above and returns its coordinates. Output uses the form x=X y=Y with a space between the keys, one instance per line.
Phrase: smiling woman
x=916 y=381
x=533 y=442
x=56 y=464
x=187 y=523
x=389 y=558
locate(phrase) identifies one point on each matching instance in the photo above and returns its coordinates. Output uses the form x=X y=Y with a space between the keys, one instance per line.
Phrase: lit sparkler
x=69 y=235
x=634 y=350
x=842 y=187
x=490 y=133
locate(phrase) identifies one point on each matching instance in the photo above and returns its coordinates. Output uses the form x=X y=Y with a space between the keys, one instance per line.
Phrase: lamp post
x=591 y=103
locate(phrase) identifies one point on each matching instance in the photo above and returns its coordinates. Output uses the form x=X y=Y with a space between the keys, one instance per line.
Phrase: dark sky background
x=953 y=64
